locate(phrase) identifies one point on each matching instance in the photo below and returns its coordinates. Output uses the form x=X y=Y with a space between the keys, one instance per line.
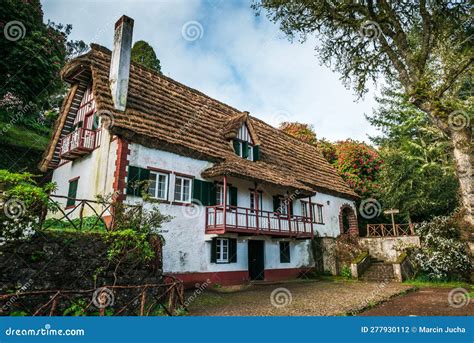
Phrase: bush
x=442 y=255
x=23 y=202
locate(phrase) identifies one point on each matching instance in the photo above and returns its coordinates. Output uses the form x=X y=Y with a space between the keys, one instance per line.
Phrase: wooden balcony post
x=310 y=204
x=288 y=210
x=225 y=202
x=257 y=202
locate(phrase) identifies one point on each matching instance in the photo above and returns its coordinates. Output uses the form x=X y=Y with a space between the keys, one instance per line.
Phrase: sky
x=224 y=50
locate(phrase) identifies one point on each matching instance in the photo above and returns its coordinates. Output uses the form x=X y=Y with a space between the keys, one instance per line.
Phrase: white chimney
x=120 y=62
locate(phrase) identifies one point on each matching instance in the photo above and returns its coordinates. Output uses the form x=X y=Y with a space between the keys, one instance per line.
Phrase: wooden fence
x=389 y=230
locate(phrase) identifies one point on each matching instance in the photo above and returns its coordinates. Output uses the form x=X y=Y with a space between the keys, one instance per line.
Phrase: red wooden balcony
x=256 y=222
x=77 y=143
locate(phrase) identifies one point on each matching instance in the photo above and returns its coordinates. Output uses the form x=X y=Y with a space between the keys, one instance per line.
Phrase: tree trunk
x=461 y=139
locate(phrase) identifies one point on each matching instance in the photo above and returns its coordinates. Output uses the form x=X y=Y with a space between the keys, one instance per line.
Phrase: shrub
x=442 y=255
x=23 y=201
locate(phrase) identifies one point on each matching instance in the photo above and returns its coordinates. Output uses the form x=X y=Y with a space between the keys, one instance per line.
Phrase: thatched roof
x=164 y=114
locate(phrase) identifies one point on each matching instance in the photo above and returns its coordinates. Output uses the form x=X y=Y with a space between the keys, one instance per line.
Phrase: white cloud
x=240 y=60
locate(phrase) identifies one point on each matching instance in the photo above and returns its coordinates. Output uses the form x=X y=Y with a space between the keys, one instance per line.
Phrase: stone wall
x=65 y=261
x=384 y=247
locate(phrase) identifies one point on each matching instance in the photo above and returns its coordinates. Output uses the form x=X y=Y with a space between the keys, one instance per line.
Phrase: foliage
x=417 y=176
x=442 y=256
x=143 y=53
x=359 y=165
x=89 y=224
x=356 y=162
x=346 y=272
x=41 y=51
x=303 y=132
x=422 y=47
x=134 y=238
x=23 y=202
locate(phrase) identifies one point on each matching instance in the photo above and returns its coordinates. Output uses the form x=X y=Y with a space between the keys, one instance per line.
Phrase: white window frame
x=284 y=204
x=157 y=176
x=250 y=152
x=183 y=178
x=319 y=214
x=222 y=250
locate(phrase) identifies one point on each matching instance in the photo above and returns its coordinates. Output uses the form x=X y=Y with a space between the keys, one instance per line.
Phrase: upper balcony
x=77 y=143
x=248 y=221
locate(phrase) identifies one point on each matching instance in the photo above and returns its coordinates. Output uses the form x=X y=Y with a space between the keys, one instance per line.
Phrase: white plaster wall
x=95 y=171
x=187 y=247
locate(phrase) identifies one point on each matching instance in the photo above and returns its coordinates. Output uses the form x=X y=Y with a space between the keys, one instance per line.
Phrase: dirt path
x=425 y=302
x=304 y=298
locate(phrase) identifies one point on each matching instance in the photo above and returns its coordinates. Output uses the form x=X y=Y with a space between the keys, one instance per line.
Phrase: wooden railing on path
x=389 y=230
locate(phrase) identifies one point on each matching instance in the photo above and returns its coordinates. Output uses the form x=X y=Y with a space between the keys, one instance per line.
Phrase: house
x=245 y=198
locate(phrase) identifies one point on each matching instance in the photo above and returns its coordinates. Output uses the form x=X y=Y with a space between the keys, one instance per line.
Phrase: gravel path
x=425 y=302
x=303 y=298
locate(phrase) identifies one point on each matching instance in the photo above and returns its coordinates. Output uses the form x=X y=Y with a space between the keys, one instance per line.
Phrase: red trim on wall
x=74 y=178
x=164 y=171
x=184 y=175
x=121 y=164
x=222 y=278
x=285 y=274
x=237 y=277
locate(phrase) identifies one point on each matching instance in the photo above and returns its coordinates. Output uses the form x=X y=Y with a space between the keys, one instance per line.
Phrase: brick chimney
x=120 y=62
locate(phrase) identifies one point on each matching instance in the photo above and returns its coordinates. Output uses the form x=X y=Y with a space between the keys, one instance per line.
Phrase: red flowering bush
x=357 y=163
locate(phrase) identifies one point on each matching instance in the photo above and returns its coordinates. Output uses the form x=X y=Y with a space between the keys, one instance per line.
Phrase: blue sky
x=222 y=49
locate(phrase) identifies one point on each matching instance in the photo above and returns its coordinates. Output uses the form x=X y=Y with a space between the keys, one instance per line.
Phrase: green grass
x=23 y=137
x=444 y=284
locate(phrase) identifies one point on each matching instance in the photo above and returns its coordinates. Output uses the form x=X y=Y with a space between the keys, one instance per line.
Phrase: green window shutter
x=256 y=153
x=212 y=194
x=232 y=250
x=233 y=195
x=204 y=192
x=245 y=149
x=290 y=203
x=95 y=123
x=284 y=252
x=236 y=146
x=276 y=203
x=135 y=180
x=213 y=250
x=197 y=191
x=133 y=176
x=72 y=193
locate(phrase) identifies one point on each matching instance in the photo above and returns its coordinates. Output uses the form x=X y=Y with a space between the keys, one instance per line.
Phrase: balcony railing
x=256 y=222
x=77 y=143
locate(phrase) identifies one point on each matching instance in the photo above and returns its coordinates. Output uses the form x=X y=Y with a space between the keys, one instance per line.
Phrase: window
x=246 y=149
x=222 y=250
x=284 y=252
x=158 y=187
x=220 y=194
x=319 y=212
x=72 y=192
x=304 y=209
x=182 y=189
x=283 y=206
x=249 y=152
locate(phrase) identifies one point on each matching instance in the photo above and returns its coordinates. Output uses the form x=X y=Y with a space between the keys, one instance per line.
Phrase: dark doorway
x=256 y=260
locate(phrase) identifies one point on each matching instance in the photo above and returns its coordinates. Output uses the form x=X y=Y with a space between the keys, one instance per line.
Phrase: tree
x=143 y=53
x=356 y=162
x=303 y=132
x=31 y=52
x=417 y=175
x=359 y=165
x=424 y=46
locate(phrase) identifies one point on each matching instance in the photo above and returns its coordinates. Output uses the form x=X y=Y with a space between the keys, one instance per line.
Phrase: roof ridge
x=103 y=49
